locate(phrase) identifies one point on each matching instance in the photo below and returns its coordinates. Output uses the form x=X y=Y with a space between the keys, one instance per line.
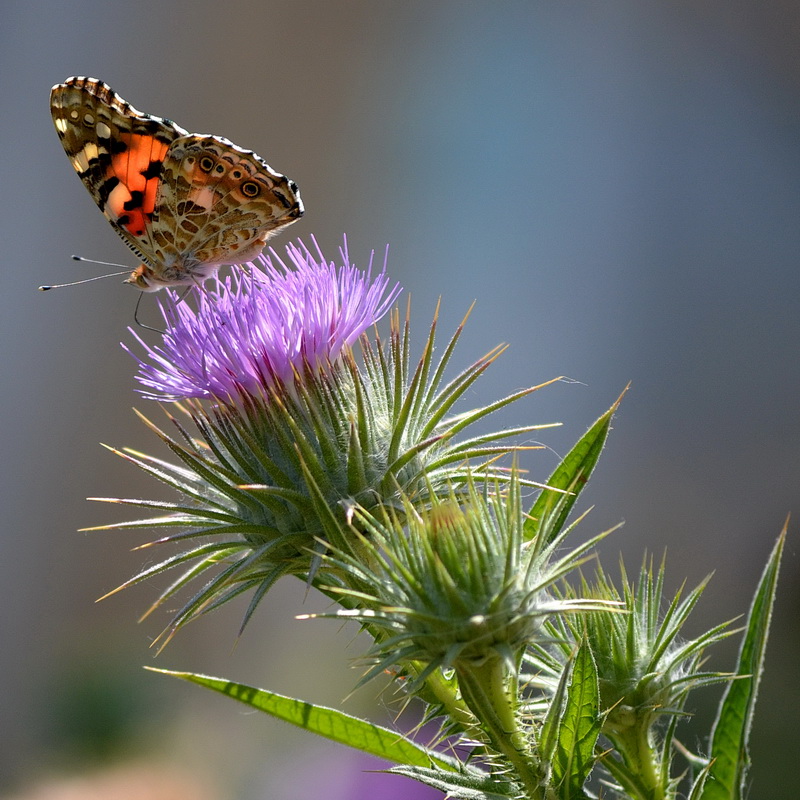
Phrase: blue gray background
x=616 y=183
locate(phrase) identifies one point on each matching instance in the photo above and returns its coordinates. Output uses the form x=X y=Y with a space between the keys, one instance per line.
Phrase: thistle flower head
x=262 y=326
x=289 y=432
x=642 y=661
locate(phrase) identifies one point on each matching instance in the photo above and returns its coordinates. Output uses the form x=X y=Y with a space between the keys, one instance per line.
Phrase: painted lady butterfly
x=185 y=203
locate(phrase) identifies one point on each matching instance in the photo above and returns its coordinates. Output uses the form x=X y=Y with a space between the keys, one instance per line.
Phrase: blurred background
x=616 y=183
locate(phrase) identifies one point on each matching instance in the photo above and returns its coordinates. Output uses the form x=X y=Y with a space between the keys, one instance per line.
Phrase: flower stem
x=639 y=763
x=444 y=694
x=486 y=689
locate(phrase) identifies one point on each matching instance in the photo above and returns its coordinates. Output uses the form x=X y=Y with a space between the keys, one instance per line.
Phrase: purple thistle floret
x=262 y=325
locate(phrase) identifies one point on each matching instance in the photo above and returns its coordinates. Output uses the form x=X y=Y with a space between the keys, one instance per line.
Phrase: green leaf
x=548 y=737
x=699 y=784
x=472 y=785
x=326 y=722
x=731 y=731
x=551 y=509
x=579 y=728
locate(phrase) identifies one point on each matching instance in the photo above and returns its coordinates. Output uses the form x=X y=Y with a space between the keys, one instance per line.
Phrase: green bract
x=454 y=583
x=645 y=670
x=271 y=478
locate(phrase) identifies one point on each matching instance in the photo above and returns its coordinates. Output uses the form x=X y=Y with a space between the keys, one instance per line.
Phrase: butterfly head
x=144 y=279
x=147 y=279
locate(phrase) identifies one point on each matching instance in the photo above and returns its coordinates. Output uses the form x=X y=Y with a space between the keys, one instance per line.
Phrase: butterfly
x=185 y=203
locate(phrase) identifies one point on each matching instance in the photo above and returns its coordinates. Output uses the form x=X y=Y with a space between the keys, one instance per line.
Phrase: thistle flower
x=291 y=432
x=263 y=326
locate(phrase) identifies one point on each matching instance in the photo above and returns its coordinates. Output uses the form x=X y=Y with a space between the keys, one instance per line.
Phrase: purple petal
x=263 y=324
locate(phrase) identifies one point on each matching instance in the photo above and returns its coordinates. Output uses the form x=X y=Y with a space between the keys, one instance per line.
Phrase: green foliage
x=326 y=722
x=578 y=728
x=549 y=513
x=549 y=683
x=597 y=684
x=729 y=737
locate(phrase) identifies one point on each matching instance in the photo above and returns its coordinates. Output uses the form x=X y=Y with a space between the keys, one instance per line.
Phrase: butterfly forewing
x=117 y=152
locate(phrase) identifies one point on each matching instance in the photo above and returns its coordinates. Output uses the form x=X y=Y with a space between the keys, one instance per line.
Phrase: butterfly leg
x=139 y=322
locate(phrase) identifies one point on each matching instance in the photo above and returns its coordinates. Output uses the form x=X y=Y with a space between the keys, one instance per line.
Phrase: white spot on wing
x=120 y=195
x=204 y=196
x=82 y=158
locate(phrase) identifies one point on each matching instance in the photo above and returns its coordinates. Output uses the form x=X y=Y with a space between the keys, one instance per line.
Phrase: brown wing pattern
x=218 y=203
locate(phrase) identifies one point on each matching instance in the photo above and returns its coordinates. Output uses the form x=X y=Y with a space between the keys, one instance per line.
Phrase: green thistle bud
x=451 y=584
x=453 y=595
x=645 y=671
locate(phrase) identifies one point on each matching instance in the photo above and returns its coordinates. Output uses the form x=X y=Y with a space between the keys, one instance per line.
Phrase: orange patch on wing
x=129 y=166
x=137 y=222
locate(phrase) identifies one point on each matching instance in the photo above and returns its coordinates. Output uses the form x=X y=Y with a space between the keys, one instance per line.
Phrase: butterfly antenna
x=125 y=271
x=95 y=261
x=85 y=280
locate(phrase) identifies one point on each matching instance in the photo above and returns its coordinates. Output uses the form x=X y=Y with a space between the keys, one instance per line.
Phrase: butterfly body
x=185 y=203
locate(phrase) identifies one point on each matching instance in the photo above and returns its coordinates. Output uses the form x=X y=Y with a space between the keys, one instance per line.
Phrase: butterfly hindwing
x=218 y=203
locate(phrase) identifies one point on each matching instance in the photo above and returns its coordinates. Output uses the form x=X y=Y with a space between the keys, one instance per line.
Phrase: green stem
x=444 y=693
x=639 y=764
x=486 y=690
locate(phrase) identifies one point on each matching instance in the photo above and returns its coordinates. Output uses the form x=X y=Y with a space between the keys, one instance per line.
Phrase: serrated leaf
x=550 y=511
x=731 y=731
x=326 y=722
x=578 y=728
x=471 y=785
